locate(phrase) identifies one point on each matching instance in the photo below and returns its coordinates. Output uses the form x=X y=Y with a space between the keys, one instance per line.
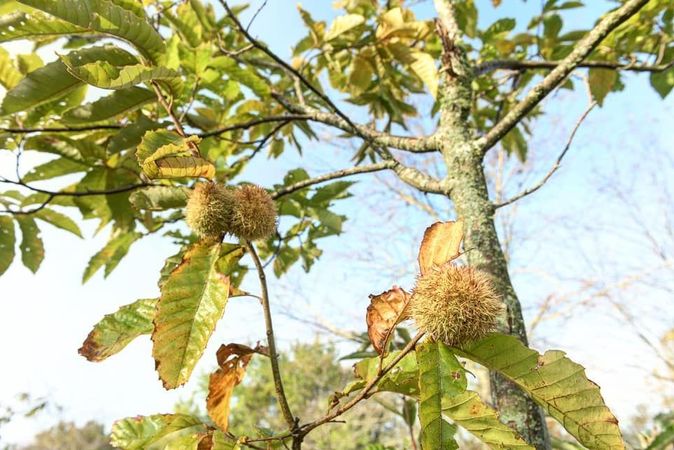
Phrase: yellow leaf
x=424 y=67
x=441 y=244
x=342 y=24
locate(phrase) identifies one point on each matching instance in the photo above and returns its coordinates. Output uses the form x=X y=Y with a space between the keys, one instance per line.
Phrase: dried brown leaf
x=233 y=360
x=385 y=311
x=441 y=244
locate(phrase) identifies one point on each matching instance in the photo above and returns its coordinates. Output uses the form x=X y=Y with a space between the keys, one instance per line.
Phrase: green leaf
x=193 y=299
x=243 y=75
x=556 y=383
x=9 y=76
x=32 y=248
x=105 y=17
x=164 y=154
x=132 y=134
x=440 y=375
x=115 y=331
x=601 y=83
x=122 y=101
x=156 y=431
x=22 y=25
x=469 y=412
x=160 y=198
x=110 y=255
x=105 y=75
x=342 y=24
x=403 y=378
x=663 y=439
x=54 y=168
x=424 y=67
x=663 y=82
x=53 y=80
x=58 y=220
x=7 y=243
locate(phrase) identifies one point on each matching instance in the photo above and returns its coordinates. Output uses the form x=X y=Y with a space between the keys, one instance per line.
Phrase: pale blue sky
x=45 y=317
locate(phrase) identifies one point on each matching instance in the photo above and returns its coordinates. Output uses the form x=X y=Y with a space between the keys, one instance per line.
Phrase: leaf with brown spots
x=469 y=412
x=193 y=299
x=232 y=359
x=116 y=330
x=441 y=244
x=555 y=382
x=385 y=311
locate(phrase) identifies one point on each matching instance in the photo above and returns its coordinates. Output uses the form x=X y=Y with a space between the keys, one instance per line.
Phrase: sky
x=567 y=228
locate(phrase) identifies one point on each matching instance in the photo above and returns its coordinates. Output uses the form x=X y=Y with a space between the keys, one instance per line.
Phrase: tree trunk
x=484 y=252
x=468 y=191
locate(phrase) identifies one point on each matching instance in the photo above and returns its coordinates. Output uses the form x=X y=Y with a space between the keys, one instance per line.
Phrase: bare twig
x=555 y=166
x=582 y=49
x=254 y=122
x=271 y=342
x=168 y=106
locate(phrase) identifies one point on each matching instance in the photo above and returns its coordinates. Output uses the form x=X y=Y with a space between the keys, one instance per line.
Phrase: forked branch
x=582 y=49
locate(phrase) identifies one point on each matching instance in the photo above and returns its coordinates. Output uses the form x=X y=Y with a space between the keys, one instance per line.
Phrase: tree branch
x=60 y=129
x=583 y=48
x=271 y=342
x=512 y=64
x=53 y=194
x=369 y=134
x=555 y=166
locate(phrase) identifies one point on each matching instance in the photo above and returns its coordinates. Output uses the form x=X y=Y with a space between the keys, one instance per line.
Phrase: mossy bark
x=465 y=173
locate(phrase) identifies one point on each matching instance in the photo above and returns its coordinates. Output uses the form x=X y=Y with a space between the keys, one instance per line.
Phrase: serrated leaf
x=424 y=67
x=22 y=25
x=155 y=432
x=193 y=299
x=243 y=75
x=7 y=243
x=556 y=383
x=131 y=135
x=58 y=220
x=601 y=82
x=54 y=168
x=441 y=244
x=9 y=76
x=32 y=248
x=403 y=378
x=440 y=375
x=164 y=154
x=105 y=75
x=469 y=412
x=122 y=101
x=342 y=24
x=53 y=80
x=110 y=255
x=115 y=331
x=105 y=17
x=160 y=198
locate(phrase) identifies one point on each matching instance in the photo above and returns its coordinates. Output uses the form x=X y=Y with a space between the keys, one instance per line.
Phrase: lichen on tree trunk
x=455 y=139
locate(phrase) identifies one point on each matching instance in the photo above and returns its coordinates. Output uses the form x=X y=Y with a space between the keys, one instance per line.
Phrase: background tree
x=387 y=54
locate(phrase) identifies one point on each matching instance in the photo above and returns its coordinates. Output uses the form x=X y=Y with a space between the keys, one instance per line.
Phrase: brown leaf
x=232 y=359
x=385 y=311
x=441 y=244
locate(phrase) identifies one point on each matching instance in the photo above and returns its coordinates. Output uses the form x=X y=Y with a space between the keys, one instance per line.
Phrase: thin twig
x=168 y=106
x=254 y=122
x=271 y=342
x=384 y=165
x=554 y=167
